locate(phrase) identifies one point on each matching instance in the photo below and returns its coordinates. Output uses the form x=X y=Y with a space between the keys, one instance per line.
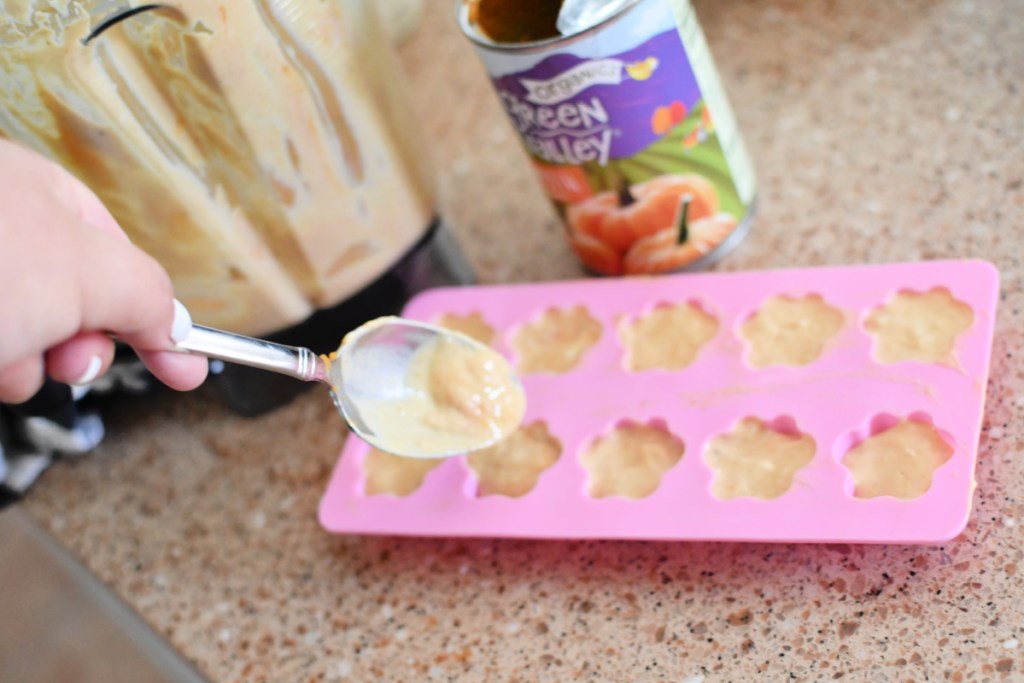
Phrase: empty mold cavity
x=919 y=326
x=897 y=458
x=513 y=466
x=758 y=459
x=472 y=325
x=790 y=331
x=668 y=338
x=556 y=341
x=631 y=460
x=393 y=474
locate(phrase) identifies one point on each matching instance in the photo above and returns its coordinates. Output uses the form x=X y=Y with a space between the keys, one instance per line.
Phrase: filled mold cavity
x=394 y=475
x=556 y=341
x=513 y=466
x=790 y=331
x=670 y=337
x=472 y=325
x=897 y=458
x=758 y=459
x=631 y=460
x=919 y=326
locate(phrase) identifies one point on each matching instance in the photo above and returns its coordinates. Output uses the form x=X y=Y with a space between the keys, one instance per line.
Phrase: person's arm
x=68 y=278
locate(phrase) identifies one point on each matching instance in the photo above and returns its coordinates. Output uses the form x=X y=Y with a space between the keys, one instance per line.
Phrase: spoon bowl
x=372 y=364
x=576 y=16
x=373 y=381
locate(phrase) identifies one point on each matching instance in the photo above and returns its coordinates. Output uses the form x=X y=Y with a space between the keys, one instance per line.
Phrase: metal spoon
x=370 y=366
x=579 y=15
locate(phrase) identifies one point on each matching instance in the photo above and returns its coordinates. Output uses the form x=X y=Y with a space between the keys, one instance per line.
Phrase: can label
x=632 y=137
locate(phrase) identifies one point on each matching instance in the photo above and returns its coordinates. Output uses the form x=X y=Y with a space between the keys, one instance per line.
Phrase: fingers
x=69 y=276
x=88 y=355
x=88 y=206
x=67 y=266
x=124 y=291
x=143 y=315
x=179 y=371
x=81 y=359
x=68 y=191
x=20 y=380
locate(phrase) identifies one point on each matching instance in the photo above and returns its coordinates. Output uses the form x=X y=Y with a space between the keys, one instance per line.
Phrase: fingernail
x=182 y=325
x=91 y=372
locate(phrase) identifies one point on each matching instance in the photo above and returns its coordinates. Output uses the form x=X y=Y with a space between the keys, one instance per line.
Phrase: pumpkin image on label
x=623 y=121
x=679 y=245
x=621 y=218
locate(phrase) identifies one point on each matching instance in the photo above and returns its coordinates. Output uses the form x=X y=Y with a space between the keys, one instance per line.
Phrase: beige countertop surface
x=880 y=132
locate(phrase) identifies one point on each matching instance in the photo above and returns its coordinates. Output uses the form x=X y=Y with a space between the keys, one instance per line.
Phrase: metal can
x=633 y=138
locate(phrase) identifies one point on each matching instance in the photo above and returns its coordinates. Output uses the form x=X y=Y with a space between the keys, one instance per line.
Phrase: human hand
x=68 y=277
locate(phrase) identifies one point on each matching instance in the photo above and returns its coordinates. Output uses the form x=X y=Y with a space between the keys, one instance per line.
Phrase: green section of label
x=669 y=156
x=704 y=71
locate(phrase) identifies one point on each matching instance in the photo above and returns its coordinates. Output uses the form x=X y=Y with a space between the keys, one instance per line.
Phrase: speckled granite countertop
x=881 y=132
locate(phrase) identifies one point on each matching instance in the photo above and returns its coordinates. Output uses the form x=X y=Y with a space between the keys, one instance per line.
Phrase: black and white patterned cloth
x=58 y=422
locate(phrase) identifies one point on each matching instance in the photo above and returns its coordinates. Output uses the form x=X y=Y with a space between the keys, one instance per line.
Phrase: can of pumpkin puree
x=628 y=127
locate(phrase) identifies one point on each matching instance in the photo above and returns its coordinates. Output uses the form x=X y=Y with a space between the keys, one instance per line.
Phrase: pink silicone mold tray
x=839 y=400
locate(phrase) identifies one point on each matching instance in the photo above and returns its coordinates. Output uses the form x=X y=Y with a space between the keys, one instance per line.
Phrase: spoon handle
x=294 y=361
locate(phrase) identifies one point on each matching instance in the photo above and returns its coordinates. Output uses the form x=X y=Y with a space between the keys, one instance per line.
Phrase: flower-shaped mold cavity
x=919 y=326
x=556 y=341
x=631 y=460
x=790 y=331
x=897 y=458
x=394 y=475
x=668 y=338
x=472 y=325
x=512 y=466
x=758 y=459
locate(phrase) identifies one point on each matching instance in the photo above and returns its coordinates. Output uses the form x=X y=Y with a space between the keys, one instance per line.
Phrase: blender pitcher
x=263 y=152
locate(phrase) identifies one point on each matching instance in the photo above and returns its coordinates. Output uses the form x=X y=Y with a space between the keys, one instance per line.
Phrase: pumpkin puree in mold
x=897 y=462
x=790 y=331
x=667 y=338
x=393 y=474
x=472 y=325
x=557 y=341
x=512 y=466
x=756 y=461
x=915 y=326
x=630 y=461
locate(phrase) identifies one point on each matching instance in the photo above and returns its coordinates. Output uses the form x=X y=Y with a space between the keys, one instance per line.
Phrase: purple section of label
x=571 y=110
